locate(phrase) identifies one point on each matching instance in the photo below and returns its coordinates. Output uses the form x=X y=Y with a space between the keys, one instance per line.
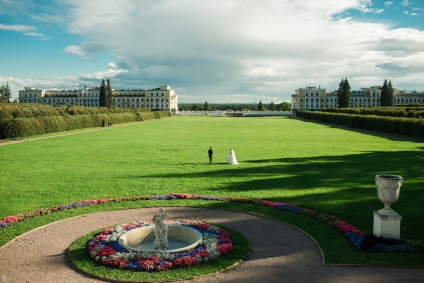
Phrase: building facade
x=313 y=98
x=161 y=98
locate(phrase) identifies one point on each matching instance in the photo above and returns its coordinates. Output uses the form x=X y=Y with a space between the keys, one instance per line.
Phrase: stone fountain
x=161 y=237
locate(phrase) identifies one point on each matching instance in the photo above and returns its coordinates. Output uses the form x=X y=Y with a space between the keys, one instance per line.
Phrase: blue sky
x=215 y=51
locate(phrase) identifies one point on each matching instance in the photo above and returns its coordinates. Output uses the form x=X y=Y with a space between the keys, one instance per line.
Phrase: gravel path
x=280 y=253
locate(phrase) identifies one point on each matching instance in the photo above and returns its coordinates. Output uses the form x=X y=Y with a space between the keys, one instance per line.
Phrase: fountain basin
x=180 y=238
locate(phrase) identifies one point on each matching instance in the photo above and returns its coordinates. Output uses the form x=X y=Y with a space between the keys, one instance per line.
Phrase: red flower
x=202 y=254
x=225 y=248
x=185 y=196
x=203 y=226
x=10 y=219
x=106 y=251
x=118 y=263
x=185 y=261
x=223 y=232
x=269 y=203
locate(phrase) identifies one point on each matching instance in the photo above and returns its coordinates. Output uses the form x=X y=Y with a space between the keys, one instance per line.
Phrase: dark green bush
x=394 y=125
x=4 y=114
x=419 y=114
x=27 y=120
x=20 y=127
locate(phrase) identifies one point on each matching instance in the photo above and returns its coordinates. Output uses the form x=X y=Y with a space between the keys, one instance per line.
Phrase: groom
x=210 y=153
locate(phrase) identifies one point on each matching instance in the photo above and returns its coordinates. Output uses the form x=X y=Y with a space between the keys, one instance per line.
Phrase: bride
x=231 y=158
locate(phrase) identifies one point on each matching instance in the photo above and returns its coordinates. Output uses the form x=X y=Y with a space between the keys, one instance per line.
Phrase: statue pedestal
x=387 y=225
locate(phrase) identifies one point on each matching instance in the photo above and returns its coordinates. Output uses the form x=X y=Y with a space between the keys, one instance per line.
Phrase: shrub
x=4 y=114
x=24 y=120
x=419 y=114
x=20 y=127
x=395 y=125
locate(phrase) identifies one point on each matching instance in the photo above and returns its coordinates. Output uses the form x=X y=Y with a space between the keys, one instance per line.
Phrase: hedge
x=13 y=110
x=407 y=112
x=21 y=127
x=403 y=126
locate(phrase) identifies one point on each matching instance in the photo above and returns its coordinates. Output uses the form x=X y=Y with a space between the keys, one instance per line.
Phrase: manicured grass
x=315 y=166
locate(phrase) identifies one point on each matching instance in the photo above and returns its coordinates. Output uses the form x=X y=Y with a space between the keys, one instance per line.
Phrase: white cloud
x=16 y=84
x=75 y=49
x=19 y=28
x=222 y=51
x=112 y=71
x=24 y=29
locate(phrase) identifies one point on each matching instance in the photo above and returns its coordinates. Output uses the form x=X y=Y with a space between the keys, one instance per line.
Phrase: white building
x=313 y=98
x=161 y=98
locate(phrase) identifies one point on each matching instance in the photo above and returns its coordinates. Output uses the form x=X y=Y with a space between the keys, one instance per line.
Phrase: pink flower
x=10 y=219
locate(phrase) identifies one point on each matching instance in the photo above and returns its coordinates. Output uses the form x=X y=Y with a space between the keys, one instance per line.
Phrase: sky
x=219 y=51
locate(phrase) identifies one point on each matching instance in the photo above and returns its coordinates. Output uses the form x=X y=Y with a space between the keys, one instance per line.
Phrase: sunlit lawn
x=320 y=167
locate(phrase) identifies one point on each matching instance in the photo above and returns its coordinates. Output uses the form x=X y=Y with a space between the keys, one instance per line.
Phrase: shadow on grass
x=356 y=170
x=340 y=185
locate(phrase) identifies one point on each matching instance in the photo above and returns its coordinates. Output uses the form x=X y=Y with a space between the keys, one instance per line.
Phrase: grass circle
x=80 y=258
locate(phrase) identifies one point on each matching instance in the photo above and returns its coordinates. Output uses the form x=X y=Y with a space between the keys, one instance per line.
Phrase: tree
x=284 y=106
x=7 y=93
x=109 y=98
x=194 y=107
x=386 y=96
x=102 y=102
x=206 y=107
x=343 y=94
x=1 y=93
x=272 y=106
x=260 y=106
x=391 y=91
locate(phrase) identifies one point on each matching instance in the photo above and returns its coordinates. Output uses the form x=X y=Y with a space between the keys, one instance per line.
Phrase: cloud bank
x=243 y=50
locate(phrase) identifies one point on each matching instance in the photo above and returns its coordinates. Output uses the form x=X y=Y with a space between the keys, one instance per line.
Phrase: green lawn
x=327 y=169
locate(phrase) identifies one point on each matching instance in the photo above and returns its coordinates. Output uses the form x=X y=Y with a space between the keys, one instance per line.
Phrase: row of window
x=89 y=94
x=94 y=102
x=137 y=100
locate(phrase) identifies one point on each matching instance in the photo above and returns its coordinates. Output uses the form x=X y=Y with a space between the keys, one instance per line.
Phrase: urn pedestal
x=386 y=220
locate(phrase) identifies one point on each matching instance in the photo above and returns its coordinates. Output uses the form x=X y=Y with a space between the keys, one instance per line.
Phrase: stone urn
x=388 y=190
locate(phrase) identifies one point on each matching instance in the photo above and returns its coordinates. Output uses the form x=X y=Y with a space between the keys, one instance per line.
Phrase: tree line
x=284 y=106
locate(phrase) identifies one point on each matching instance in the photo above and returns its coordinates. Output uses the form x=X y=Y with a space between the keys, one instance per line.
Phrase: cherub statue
x=161 y=230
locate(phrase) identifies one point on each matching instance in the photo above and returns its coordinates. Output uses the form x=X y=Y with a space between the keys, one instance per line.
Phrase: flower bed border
x=105 y=249
x=356 y=237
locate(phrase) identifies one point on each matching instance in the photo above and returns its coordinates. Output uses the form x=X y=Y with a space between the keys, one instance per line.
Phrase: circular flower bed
x=104 y=248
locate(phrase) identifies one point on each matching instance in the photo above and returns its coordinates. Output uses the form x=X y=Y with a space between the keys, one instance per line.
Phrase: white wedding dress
x=231 y=158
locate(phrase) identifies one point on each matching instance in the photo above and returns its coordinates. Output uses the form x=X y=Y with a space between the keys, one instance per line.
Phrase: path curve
x=280 y=253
